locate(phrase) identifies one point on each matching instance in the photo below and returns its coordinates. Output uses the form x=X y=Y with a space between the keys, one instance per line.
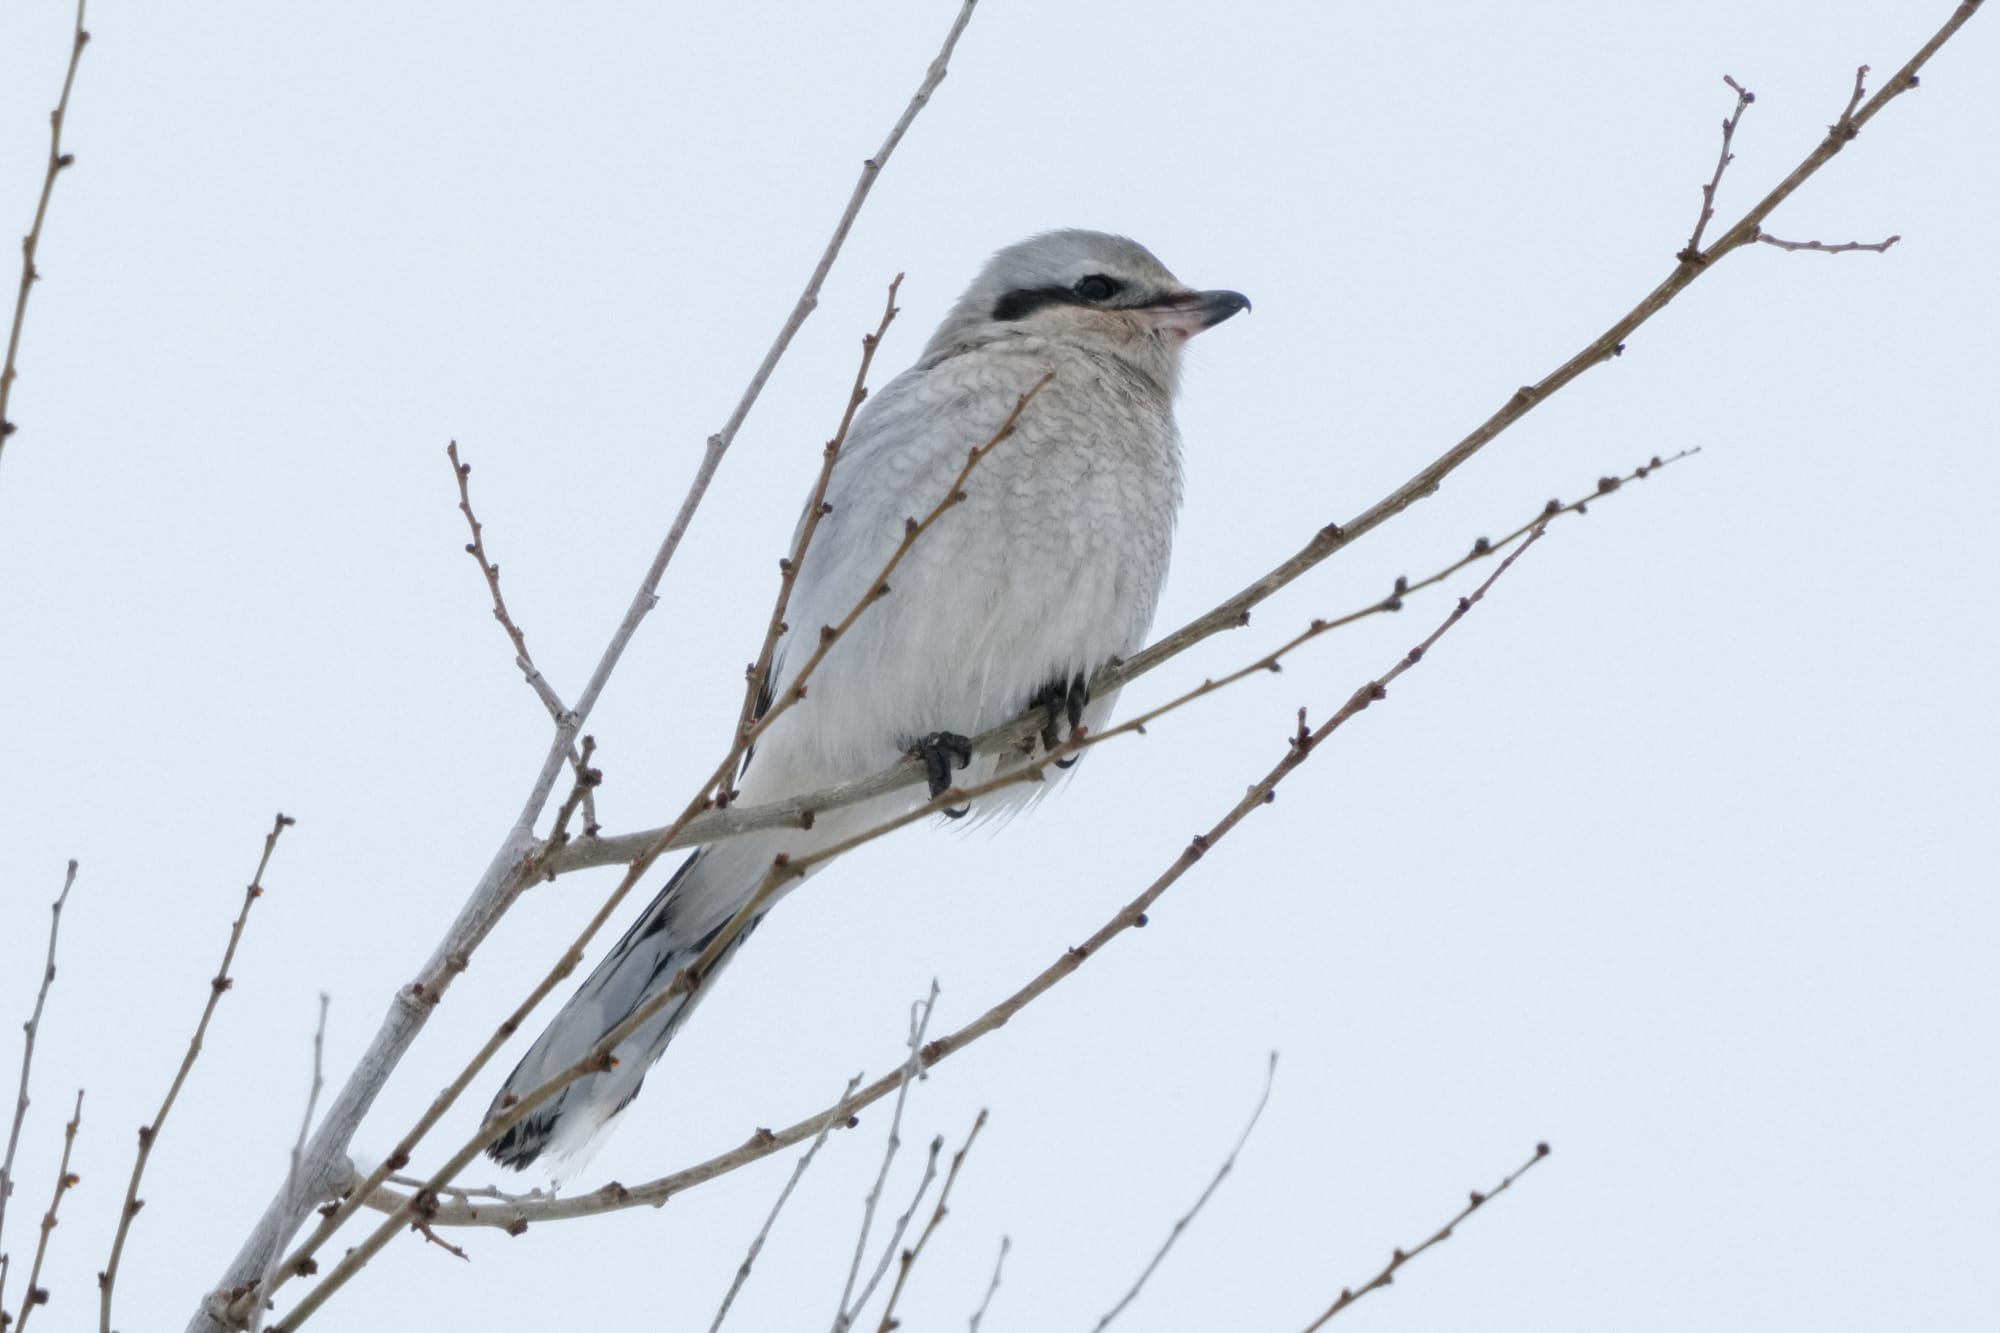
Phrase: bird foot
x=1061 y=701
x=943 y=751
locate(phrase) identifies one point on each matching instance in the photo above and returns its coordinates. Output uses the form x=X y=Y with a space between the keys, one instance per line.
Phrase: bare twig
x=1691 y=253
x=508 y=872
x=65 y=1182
x=1350 y=1295
x=1844 y=247
x=585 y=781
x=911 y=1255
x=846 y=1320
x=1846 y=124
x=764 y=1232
x=299 y=1147
x=1222 y=1172
x=149 y=1134
x=476 y=548
x=972 y=1325
x=757 y=678
x=920 y=1021
x=791 y=812
x=31 y=1028
x=59 y=161
x=1133 y=915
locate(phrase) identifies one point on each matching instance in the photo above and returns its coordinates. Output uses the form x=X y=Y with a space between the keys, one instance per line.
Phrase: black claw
x=959 y=813
x=1061 y=701
x=938 y=751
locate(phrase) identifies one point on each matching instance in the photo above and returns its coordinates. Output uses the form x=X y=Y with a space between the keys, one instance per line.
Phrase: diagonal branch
x=1349 y=1295
x=795 y=811
x=299 y=1146
x=771 y=1220
x=66 y=1181
x=1181 y=1225
x=476 y=548
x=920 y=1021
x=149 y=1134
x=757 y=679
x=911 y=1255
x=59 y=161
x=32 y=1027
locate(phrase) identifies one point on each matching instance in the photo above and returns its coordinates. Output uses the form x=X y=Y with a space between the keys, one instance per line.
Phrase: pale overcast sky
x=1678 y=854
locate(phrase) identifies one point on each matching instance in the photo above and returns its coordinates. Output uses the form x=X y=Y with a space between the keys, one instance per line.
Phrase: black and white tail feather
x=1049 y=568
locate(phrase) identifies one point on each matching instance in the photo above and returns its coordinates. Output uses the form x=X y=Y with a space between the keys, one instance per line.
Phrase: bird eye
x=1097 y=287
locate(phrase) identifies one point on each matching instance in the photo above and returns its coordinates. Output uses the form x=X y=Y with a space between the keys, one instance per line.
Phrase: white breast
x=1051 y=565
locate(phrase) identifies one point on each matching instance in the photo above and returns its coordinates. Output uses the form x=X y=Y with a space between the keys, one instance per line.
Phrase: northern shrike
x=1049 y=568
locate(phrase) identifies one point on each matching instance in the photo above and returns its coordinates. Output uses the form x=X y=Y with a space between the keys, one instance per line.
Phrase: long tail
x=681 y=921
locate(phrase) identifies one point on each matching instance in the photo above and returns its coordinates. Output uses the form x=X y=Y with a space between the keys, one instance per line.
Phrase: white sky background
x=1677 y=854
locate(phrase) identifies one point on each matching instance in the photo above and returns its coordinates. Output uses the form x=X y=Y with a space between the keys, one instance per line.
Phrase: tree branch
x=149 y=1134
x=66 y=1181
x=764 y=1232
x=59 y=161
x=797 y=811
x=31 y=1028
x=911 y=1255
x=1350 y=1295
x=1181 y=1225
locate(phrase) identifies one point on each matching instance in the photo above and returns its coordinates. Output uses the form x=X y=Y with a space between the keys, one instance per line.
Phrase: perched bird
x=1049 y=568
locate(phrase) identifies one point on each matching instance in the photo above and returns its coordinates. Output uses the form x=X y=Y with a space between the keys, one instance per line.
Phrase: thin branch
x=846 y=1320
x=1350 y=1295
x=972 y=1325
x=1846 y=124
x=149 y=1134
x=1181 y=1225
x=508 y=871
x=911 y=1255
x=59 y=161
x=299 y=1147
x=764 y=1232
x=920 y=1021
x=65 y=1182
x=476 y=548
x=794 y=811
x=1691 y=253
x=1132 y=916
x=757 y=678
x=1844 y=247
x=585 y=781
x=31 y=1028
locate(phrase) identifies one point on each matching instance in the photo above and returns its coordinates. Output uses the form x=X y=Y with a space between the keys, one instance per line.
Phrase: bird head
x=1088 y=289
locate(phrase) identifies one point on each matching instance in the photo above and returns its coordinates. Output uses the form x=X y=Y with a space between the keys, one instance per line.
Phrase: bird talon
x=1061 y=701
x=938 y=751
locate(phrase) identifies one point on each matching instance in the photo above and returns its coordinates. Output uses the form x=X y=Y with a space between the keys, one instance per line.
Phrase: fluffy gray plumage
x=1051 y=567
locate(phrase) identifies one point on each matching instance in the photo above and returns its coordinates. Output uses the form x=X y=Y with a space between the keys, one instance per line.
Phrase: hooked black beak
x=1191 y=312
